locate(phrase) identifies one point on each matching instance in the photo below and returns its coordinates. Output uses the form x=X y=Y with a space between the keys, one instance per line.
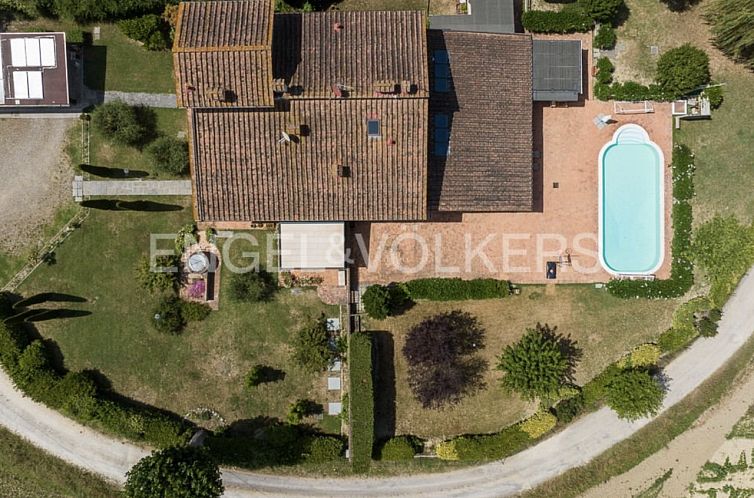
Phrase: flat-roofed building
x=34 y=70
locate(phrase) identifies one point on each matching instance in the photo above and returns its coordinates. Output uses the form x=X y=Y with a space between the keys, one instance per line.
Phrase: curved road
x=574 y=446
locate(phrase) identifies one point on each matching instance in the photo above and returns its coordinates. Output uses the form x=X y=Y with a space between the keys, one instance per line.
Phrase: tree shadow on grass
x=115 y=205
x=56 y=314
x=105 y=172
x=45 y=297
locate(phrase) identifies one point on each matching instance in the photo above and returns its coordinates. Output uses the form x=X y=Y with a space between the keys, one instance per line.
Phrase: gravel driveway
x=35 y=178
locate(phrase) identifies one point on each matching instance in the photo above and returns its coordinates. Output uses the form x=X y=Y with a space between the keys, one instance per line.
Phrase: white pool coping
x=600 y=202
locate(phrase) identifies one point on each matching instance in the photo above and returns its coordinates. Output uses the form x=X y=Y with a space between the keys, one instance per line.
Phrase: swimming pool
x=631 y=203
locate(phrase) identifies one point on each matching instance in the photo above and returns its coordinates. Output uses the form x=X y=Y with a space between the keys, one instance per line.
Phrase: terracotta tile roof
x=224 y=24
x=488 y=110
x=224 y=79
x=222 y=54
x=242 y=172
x=316 y=50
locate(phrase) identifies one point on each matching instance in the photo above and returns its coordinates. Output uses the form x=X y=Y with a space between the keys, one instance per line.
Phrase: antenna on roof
x=284 y=138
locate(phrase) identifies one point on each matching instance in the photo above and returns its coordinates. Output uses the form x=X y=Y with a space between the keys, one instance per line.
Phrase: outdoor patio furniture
x=599 y=121
x=552 y=270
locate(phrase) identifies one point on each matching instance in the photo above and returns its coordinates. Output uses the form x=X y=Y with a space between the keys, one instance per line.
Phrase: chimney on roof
x=279 y=86
x=189 y=87
x=337 y=27
x=343 y=171
x=407 y=87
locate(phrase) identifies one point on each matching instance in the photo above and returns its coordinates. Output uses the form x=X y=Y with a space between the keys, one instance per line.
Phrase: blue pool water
x=631 y=223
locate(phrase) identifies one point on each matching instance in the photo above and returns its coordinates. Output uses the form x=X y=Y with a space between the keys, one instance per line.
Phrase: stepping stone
x=333 y=383
x=334 y=408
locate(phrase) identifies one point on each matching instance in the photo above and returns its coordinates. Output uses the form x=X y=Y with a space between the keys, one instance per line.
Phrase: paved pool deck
x=516 y=246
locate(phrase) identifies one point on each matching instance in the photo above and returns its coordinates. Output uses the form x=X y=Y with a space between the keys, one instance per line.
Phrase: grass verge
x=29 y=472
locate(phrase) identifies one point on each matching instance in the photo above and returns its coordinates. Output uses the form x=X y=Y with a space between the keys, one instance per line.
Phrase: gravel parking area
x=35 y=178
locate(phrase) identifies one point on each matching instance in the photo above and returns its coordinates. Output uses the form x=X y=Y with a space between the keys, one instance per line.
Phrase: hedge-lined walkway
x=572 y=447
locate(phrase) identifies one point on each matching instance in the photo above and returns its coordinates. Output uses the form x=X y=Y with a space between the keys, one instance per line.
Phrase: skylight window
x=373 y=128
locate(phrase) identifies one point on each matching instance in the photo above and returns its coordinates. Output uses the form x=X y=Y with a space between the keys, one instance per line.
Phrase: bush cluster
x=643 y=355
x=382 y=301
x=681 y=269
x=605 y=38
x=715 y=96
x=150 y=29
x=399 y=448
x=121 y=123
x=27 y=363
x=311 y=346
x=539 y=424
x=567 y=20
x=169 y=155
x=683 y=69
x=634 y=393
x=605 y=70
x=484 y=447
x=456 y=289
x=178 y=471
x=157 y=281
x=361 y=398
x=683 y=331
x=631 y=91
x=568 y=409
x=603 y=11
x=252 y=287
x=85 y=11
x=172 y=314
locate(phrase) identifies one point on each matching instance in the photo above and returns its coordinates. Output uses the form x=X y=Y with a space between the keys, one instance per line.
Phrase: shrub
x=673 y=339
x=644 y=355
x=178 y=472
x=255 y=376
x=400 y=448
x=169 y=155
x=595 y=391
x=443 y=364
x=681 y=269
x=120 y=122
x=311 y=348
x=539 y=364
x=567 y=20
x=376 y=301
x=168 y=315
x=322 y=449
x=539 y=424
x=98 y=10
x=252 y=287
x=682 y=69
x=361 y=400
x=192 y=311
x=601 y=10
x=605 y=38
x=570 y=408
x=605 y=70
x=151 y=30
x=715 y=96
x=484 y=447
x=706 y=327
x=634 y=394
x=725 y=249
x=78 y=395
x=74 y=36
x=456 y=289
x=151 y=279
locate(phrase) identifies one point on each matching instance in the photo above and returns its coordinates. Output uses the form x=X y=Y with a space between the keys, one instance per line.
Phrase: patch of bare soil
x=35 y=176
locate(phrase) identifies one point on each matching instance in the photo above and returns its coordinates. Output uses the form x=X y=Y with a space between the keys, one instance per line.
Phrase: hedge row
x=631 y=91
x=399 y=448
x=681 y=269
x=456 y=289
x=361 y=398
x=27 y=363
x=484 y=446
x=568 y=20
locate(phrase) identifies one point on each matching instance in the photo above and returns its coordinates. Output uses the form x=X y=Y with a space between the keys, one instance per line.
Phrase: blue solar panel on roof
x=442 y=85
x=442 y=70
x=441 y=56
x=441 y=120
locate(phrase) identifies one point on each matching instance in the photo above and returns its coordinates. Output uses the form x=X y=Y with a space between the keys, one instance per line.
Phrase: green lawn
x=202 y=368
x=28 y=472
x=604 y=326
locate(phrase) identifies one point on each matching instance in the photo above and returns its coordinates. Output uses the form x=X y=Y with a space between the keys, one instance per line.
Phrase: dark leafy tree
x=634 y=394
x=605 y=37
x=602 y=10
x=169 y=155
x=442 y=356
x=311 y=347
x=540 y=363
x=168 y=316
x=732 y=24
x=682 y=69
x=151 y=30
x=175 y=472
x=120 y=122
x=252 y=287
x=382 y=301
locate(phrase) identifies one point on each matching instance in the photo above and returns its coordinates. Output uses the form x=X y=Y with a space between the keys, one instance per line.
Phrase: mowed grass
x=202 y=368
x=29 y=472
x=114 y=62
x=603 y=326
x=723 y=145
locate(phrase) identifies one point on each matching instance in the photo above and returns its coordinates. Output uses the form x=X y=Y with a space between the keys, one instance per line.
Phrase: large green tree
x=311 y=347
x=175 y=472
x=634 y=394
x=539 y=364
x=732 y=24
x=682 y=69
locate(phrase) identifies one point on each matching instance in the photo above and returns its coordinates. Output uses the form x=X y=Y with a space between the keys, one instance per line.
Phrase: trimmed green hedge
x=361 y=396
x=568 y=20
x=74 y=393
x=681 y=269
x=456 y=289
x=400 y=448
x=483 y=447
x=631 y=91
